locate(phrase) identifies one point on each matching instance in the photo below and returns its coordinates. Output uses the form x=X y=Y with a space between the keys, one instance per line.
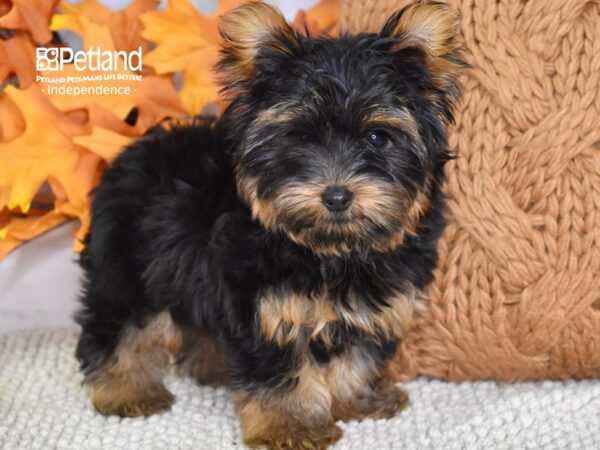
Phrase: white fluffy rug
x=43 y=406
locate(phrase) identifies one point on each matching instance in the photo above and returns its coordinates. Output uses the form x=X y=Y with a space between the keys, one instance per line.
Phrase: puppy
x=282 y=248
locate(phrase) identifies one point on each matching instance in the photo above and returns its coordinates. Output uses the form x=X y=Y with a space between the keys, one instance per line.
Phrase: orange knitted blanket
x=517 y=290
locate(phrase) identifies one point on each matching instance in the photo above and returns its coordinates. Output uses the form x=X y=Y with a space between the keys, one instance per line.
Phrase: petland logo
x=64 y=71
x=94 y=60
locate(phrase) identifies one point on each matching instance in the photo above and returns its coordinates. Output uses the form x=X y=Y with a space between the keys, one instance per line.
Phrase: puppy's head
x=340 y=141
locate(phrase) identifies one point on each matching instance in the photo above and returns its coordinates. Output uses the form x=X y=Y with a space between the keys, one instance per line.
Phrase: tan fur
x=201 y=358
x=436 y=29
x=323 y=314
x=172 y=123
x=412 y=215
x=284 y=316
x=357 y=389
x=131 y=383
x=415 y=212
x=392 y=321
x=433 y=27
x=390 y=243
x=292 y=418
x=262 y=210
x=394 y=118
x=380 y=203
x=377 y=202
x=302 y=200
x=350 y=373
x=279 y=113
x=245 y=31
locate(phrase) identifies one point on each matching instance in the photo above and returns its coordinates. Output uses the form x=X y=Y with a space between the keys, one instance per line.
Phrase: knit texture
x=517 y=290
x=44 y=406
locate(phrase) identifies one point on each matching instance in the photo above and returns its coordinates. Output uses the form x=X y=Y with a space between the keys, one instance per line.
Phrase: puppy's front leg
x=359 y=389
x=295 y=418
x=282 y=398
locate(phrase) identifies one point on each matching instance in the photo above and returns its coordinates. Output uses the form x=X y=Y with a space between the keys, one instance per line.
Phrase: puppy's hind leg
x=201 y=357
x=130 y=383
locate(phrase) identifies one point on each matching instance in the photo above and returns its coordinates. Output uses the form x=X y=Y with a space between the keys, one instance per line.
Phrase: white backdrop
x=40 y=280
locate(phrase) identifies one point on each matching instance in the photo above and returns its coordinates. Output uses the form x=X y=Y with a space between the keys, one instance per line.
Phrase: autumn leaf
x=43 y=151
x=26 y=228
x=17 y=57
x=104 y=118
x=124 y=26
x=199 y=88
x=4 y=193
x=71 y=12
x=105 y=143
x=12 y=123
x=187 y=41
x=94 y=34
x=5 y=6
x=32 y=16
x=320 y=19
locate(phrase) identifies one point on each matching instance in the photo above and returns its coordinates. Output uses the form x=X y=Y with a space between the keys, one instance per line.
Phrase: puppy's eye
x=377 y=138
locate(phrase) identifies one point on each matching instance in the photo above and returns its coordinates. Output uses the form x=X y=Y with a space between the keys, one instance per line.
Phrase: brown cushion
x=517 y=290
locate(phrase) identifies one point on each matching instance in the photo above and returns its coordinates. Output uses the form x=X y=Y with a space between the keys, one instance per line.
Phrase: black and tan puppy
x=283 y=247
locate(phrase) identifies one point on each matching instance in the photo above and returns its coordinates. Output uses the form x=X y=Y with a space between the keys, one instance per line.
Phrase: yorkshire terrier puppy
x=282 y=248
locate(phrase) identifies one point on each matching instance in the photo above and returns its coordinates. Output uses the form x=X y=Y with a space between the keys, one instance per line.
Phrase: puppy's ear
x=252 y=33
x=433 y=28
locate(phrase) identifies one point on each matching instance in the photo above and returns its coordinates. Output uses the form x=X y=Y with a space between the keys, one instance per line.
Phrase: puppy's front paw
x=383 y=401
x=132 y=401
x=388 y=401
x=318 y=437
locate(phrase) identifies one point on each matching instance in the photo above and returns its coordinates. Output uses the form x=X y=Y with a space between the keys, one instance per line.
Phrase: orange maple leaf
x=17 y=57
x=125 y=26
x=12 y=123
x=32 y=16
x=26 y=228
x=105 y=143
x=187 y=41
x=5 y=6
x=320 y=19
x=43 y=151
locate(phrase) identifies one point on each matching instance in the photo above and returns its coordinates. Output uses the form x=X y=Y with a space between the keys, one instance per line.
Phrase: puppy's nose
x=337 y=199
